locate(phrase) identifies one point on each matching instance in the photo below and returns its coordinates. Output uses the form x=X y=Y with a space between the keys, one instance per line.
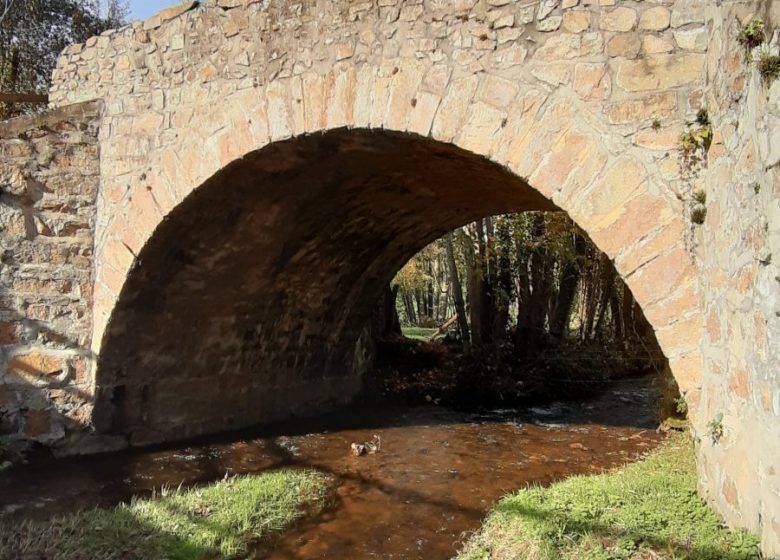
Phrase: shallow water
x=437 y=473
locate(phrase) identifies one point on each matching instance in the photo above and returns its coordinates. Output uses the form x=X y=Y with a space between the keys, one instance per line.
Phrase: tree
x=5 y=7
x=33 y=33
x=457 y=293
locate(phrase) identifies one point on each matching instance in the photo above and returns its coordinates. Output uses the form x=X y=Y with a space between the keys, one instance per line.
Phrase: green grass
x=417 y=333
x=212 y=522
x=647 y=510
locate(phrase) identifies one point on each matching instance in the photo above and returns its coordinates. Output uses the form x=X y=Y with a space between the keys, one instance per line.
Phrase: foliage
x=34 y=32
x=524 y=281
x=769 y=66
x=715 y=428
x=694 y=139
x=681 y=405
x=215 y=521
x=648 y=509
x=698 y=215
x=694 y=144
x=752 y=34
x=411 y=277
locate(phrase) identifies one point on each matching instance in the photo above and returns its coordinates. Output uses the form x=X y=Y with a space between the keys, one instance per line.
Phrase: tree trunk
x=457 y=294
x=474 y=291
x=392 y=326
x=570 y=278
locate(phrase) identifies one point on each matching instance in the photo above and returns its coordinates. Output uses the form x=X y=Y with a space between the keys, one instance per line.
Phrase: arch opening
x=512 y=310
x=251 y=299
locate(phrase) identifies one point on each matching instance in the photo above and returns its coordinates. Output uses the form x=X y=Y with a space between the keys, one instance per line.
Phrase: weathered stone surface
x=692 y=39
x=619 y=19
x=591 y=81
x=46 y=271
x=652 y=106
x=652 y=44
x=624 y=45
x=655 y=19
x=660 y=72
x=37 y=365
x=576 y=21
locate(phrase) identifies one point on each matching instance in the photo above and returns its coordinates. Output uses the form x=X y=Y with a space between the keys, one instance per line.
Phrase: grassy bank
x=647 y=510
x=213 y=522
x=418 y=333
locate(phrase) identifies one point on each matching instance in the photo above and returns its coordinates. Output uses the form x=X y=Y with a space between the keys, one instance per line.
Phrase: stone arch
x=548 y=144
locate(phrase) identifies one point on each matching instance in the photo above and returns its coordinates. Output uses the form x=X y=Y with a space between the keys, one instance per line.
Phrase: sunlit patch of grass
x=217 y=521
x=645 y=510
x=418 y=333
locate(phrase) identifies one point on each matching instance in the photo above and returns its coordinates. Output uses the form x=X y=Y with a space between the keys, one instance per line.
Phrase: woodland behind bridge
x=530 y=306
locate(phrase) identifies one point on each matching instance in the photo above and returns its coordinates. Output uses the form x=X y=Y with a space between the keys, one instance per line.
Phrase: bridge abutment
x=50 y=177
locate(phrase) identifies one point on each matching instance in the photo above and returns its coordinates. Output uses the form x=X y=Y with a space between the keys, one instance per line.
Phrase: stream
x=438 y=471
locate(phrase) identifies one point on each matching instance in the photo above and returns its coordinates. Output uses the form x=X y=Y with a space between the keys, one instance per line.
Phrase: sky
x=142 y=9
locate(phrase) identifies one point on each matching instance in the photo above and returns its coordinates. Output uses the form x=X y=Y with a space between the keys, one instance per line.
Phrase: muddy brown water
x=437 y=474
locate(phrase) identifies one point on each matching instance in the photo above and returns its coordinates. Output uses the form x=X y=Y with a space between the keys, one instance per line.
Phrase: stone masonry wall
x=738 y=250
x=49 y=178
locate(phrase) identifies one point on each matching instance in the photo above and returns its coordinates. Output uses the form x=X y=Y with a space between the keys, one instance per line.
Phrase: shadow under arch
x=249 y=302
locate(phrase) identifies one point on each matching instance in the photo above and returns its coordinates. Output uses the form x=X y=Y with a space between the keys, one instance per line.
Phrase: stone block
x=37 y=365
x=660 y=72
x=576 y=21
x=655 y=19
x=620 y=19
x=652 y=106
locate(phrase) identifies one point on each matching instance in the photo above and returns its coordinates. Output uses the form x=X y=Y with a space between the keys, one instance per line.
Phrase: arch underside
x=249 y=301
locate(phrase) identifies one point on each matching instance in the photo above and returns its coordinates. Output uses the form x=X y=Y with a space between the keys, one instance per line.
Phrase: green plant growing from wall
x=696 y=141
x=698 y=215
x=694 y=144
x=715 y=428
x=699 y=209
x=681 y=405
x=752 y=34
x=768 y=66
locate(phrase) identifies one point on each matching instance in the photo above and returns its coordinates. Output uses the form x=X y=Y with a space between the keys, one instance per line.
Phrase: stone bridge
x=196 y=233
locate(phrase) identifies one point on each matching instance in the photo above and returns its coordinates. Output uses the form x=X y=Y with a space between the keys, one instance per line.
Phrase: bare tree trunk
x=409 y=305
x=457 y=294
x=392 y=326
x=561 y=315
x=475 y=289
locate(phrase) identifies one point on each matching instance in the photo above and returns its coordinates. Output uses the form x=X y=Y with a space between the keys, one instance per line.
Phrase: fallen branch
x=447 y=324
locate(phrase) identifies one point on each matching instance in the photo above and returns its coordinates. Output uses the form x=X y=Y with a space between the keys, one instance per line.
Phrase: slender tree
x=457 y=293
